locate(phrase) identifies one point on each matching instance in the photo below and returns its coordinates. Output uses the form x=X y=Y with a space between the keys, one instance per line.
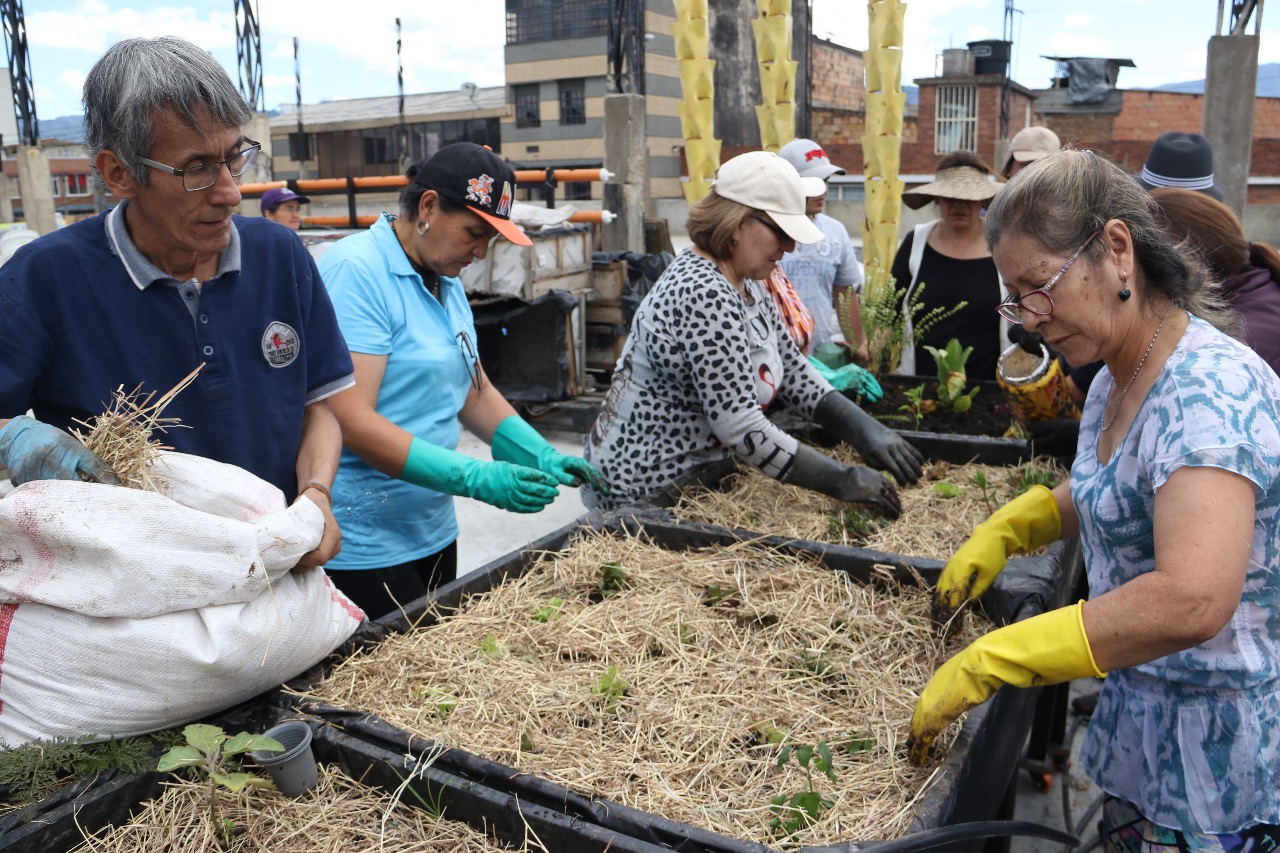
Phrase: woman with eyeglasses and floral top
x=709 y=352
x=1175 y=495
x=412 y=338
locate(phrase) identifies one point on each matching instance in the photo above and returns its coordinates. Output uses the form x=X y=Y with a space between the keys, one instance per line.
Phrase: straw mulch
x=662 y=695
x=933 y=523
x=337 y=816
x=122 y=435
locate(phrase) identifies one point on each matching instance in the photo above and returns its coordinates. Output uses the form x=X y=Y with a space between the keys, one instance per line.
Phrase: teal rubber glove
x=516 y=441
x=511 y=487
x=851 y=377
x=34 y=450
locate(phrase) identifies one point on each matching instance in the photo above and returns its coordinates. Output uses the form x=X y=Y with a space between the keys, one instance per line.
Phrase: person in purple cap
x=419 y=379
x=283 y=205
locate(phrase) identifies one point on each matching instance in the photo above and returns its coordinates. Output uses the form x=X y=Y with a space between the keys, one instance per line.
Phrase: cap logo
x=815 y=154
x=480 y=189
x=280 y=344
x=504 y=202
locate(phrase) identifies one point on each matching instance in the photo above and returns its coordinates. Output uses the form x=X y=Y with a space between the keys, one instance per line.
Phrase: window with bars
x=573 y=107
x=544 y=20
x=528 y=108
x=956 y=119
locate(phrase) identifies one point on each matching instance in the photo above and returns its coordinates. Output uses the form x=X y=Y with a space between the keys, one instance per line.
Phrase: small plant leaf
x=180 y=756
x=238 y=781
x=947 y=490
x=491 y=648
x=206 y=738
x=550 y=611
x=245 y=742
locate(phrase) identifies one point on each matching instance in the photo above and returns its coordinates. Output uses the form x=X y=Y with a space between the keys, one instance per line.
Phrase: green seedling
x=714 y=595
x=852 y=522
x=859 y=743
x=812 y=663
x=32 y=771
x=950 y=362
x=209 y=751
x=916 y=406
x=947 y=490
x=771 y=734
x=884 y=317
x=612 y=687
x=979 y=479
x=445 y=702
x=491 y=648
x=803 y=808
x=1026 y=476
x=550 y=611
x=613 y=578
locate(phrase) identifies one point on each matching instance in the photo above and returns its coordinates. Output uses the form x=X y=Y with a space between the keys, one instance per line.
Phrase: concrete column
x=36 y=186
x=6 y=203
x=259 y=130
x=1231 y=79
x=626 y=155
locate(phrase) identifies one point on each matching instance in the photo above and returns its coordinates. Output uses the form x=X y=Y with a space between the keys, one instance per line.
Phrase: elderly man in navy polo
x=169 y=279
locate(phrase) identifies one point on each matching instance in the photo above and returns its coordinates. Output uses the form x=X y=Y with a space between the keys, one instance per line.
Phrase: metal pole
x=403 y=141
x=303 y=149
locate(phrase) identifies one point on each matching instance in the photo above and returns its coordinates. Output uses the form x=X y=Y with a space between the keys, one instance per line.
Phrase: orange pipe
x=587 y=216
x=339 y=185
x=339 y=221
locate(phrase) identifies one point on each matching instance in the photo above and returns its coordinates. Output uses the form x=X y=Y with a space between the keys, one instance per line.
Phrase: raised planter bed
x=971 y=782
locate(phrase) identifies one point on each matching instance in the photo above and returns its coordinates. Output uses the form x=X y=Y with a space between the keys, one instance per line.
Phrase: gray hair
x=1063 y=199
x=140 y=77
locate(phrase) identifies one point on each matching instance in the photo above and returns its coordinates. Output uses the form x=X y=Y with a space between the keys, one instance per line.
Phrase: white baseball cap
x=809 y=159
x=765 y=181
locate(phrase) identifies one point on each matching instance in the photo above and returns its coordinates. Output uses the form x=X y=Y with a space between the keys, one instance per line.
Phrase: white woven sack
x=123 y=611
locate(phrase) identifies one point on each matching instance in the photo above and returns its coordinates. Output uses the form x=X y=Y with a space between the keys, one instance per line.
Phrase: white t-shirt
x=816 y=268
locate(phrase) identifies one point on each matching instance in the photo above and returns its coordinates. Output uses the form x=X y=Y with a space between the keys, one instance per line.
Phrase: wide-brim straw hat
x=963 y=183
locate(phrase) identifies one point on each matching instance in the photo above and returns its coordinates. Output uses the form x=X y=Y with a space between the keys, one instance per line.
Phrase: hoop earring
x=422 y=228
x=1125 y=292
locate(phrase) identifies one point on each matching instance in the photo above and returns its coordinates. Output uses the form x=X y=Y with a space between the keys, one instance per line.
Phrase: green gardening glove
x=851 y=377
x=516 y=441
x=511 y=487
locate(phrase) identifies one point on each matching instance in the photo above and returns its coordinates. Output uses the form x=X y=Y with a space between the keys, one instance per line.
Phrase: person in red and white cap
x=822 y=271
x=283 y=205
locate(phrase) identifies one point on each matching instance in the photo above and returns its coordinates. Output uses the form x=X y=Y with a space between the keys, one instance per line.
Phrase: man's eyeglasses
x=1038 y=301
x=778 y=232
x=469 y=358
x=201 y=176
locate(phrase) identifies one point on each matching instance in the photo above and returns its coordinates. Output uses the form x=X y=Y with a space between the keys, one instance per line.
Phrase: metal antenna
x=249 y=55
x=302 y=150
x=24 y=95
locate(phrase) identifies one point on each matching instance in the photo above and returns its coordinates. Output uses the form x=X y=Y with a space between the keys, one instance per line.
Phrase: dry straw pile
x=338 y=816
x=655 y=678
x=938 y=513
x=122 y=435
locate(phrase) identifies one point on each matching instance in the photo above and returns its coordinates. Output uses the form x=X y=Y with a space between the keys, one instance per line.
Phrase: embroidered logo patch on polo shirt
x=280 y=344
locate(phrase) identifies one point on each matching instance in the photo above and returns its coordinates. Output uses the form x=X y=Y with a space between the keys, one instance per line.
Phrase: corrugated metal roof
x=416 y=106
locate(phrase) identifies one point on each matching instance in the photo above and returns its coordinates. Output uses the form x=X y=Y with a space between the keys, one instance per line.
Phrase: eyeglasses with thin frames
x=1038 y=301
x=201 y=176
x=783 y=236
x=469 y=358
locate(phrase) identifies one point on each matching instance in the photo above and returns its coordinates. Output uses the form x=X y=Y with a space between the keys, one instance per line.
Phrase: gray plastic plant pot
x=294 y=770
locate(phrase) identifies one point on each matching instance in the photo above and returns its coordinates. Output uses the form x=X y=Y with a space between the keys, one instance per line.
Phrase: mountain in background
x=66 y=128
x=1268 y=83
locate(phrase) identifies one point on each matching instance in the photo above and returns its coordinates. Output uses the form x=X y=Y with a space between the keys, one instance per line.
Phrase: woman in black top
x=955 y=266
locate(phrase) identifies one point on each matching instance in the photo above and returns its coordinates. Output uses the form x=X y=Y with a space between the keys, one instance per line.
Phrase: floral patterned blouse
x=1191 y=738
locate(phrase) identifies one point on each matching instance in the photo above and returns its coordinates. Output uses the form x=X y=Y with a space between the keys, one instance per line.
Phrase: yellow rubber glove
x=1025 y=523
x=1045 y=649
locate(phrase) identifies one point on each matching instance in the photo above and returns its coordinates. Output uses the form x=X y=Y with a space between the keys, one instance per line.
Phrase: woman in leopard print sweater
x=708 y=353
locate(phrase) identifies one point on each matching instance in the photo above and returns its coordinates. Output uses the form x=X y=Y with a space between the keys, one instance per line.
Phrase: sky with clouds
x=348 y=49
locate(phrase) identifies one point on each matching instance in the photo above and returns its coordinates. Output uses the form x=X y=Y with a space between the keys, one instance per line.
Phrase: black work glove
x=1029 y=341
x=1054 y=437
x=853 y=483
x=875 y=442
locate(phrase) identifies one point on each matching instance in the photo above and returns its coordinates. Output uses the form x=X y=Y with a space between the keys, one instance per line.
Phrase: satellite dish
x=469 y=89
